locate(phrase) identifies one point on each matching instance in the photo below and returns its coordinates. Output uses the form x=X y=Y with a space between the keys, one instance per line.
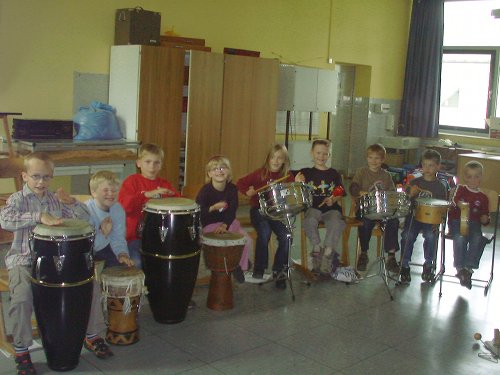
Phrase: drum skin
x=62 y=300
x=171 y=265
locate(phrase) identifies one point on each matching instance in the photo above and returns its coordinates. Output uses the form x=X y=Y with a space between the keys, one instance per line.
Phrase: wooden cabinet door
x=249 y=111
x=204 y=113
x=160 y=104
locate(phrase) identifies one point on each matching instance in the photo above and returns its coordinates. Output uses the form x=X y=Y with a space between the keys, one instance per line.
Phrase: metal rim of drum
x=237 y=239
x=71 y=230
x=161 y=206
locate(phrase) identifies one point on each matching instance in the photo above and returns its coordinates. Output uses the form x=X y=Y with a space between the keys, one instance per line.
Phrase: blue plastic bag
x=97 y=122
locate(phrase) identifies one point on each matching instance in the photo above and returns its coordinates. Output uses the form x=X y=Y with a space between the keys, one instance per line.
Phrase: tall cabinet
x=231 y=106
x=145 y=87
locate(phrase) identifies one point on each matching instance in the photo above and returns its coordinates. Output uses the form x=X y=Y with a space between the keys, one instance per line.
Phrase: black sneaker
x=391 y=264
x=362 y=261
x=24 y=366
x=98 y=347
x=405 y=276
x=238 y=275
x=464 y=275
x=428 y=272
x=258 y=274
x=335 y=262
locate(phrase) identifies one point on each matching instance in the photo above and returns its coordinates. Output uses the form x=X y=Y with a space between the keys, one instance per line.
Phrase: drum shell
x=431 y=211
x=62 y=299
x=222 y=259
x=178 y=240
x=379 y=205
x=77 y=265
x=62 y=315
x=122 y=327
x=282 y=199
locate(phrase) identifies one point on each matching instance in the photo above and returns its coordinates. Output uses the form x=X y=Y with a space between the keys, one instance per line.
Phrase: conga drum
x=430 y=210
x=170 y=255
x=61 y=279
x=123 y=293
x=222 y=253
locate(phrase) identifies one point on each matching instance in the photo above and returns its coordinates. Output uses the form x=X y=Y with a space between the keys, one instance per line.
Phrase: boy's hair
x=474 y=165
x=323 y=142
x=217 y=161
x=102 y=176
x=432 y=155
x=150 y=148
x=376 y=148
x=285 y=168
x=42 y=156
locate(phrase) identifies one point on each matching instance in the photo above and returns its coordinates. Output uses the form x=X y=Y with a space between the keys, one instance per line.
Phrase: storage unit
x=307 y=89
x=231 y=106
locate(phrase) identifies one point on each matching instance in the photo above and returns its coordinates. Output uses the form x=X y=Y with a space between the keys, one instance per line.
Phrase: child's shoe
x=405 y=276
x=280 y=280
x=428 y=272
x=24 y=366
x=392 y=264
x=258 y=274
x=98 y=347
x=362 y=261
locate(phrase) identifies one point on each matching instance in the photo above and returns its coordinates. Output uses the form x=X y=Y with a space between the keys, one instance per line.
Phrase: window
x=469 y=76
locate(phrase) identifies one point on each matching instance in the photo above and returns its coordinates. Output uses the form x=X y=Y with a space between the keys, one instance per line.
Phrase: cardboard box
x=137 y=26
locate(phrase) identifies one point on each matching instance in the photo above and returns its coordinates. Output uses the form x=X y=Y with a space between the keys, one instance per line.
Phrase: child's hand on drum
x=125 y=259
x=299 y=177
x=64 y=197
x=106 y=226
x=48 y=219
x=221 y=229
x=158 y=192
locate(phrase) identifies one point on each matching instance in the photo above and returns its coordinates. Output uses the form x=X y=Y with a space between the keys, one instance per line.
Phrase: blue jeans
x=134 y=253
x=264 y=228
x=467 y=250
x=107 y=255
x=409 y=236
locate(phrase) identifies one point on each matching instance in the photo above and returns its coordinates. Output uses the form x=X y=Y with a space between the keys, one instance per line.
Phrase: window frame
x=492 y=90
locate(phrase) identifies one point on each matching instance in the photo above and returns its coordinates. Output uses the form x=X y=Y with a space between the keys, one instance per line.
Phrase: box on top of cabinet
x=137 y=26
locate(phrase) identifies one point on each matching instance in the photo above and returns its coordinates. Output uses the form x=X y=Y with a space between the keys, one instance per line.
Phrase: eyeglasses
x=219 y=169
x=37 y=177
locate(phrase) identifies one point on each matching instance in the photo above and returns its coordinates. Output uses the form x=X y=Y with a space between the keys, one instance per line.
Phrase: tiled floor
x=331 y=328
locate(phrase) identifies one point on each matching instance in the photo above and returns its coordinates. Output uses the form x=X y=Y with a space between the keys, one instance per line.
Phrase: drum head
x=432 y=202
x=69 y=228
x=223 y=239
x=121 y=274
x=171 y=204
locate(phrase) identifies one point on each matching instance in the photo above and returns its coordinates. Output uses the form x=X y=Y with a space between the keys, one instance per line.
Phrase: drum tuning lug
x=58 y=262
x=37 y=270
x=90 y=261
x=192 y=232
x=163 y=233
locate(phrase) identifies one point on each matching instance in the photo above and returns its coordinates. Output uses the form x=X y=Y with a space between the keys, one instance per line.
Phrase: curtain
x=419 y=115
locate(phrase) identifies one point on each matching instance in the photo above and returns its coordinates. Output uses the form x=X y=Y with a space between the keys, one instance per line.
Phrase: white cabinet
x=307 y=89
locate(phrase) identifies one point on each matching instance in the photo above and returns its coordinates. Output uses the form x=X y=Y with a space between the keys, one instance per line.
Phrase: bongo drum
x=62 y=273
x=430 y=210
x=123 y=293
x=170 y=255
x=222 y=253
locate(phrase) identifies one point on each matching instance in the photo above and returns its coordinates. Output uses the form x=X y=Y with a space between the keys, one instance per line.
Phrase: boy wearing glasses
x=138 y=188
x=25 y=209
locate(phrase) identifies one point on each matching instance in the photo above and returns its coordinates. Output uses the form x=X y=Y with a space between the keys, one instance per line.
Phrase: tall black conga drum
x=170 y=256
x=62 y=274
